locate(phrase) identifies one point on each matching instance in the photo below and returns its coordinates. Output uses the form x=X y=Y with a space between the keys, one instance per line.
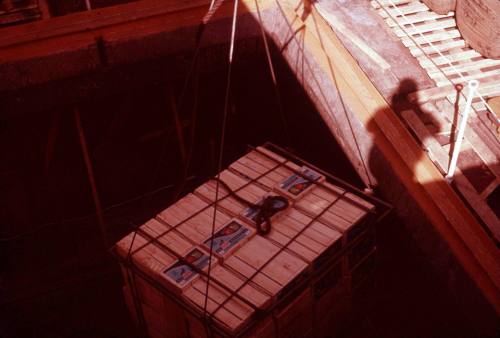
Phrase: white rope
x=221 y=151
x=273 y=76
x=473 y=84
x=434 y=48
x=233 y=31
x=214 y=6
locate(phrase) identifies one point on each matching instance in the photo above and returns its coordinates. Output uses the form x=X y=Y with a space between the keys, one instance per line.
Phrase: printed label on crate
x=276 y=205
x=228 y=238
x=297 y=184
x=182 y=272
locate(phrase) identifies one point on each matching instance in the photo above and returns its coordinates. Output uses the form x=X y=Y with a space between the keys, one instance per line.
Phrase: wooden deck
x=435 y=42
x=395 y=144
x=430 y=112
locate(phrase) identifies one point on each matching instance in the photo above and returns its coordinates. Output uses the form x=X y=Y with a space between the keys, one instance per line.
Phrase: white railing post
x=473 y=85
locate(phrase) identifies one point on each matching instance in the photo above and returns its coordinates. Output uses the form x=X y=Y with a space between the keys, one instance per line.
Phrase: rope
x=273 y=76
x=370 y=184
x=221 y=150
x=192 y=141
x=267 y=208
x=214 y=5
x=40 y=227
x=461 y=76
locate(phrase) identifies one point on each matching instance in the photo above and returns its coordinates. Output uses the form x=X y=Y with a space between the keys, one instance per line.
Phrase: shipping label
x=228 y=238
x=183 y=271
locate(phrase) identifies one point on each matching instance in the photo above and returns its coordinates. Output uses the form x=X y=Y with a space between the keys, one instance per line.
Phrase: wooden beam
x=66 y=46
x=96 y=19
x=442 y=92
x=177 y=13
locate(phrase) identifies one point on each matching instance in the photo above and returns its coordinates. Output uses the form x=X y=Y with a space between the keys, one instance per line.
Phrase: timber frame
x=382 y=150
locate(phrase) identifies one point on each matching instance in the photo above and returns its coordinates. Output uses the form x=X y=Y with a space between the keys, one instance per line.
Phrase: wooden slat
x=429 y=26
x=410 y=8
x=413 y=18
x=442 y=47
x=233 y=314
x=376 y=4
x=469 y=66
x=433 y=37
x=251 y=292
x=488 y=87
x=446 y=40
x=453 y=56
x=482 y=75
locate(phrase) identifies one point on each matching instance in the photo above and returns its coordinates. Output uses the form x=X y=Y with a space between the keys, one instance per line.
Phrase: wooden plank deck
x=479 y=173
x=479 y=160
x=420 y=177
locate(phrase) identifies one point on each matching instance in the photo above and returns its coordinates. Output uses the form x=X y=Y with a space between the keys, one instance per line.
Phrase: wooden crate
x=166 y=236
x=275 y=270
x=298 y=185
x=186 y=270
x=152 y=306
x=295 y=319
x=227 y=311
x=310 y=240
x=245 y=188
x=193 y=218
x=278 y=284
x=337 y=208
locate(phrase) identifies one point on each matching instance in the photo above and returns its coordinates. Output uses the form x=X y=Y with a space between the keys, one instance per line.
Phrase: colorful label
x=182 y=272
x=251 y=213
x=296 y=184
x=228 y=237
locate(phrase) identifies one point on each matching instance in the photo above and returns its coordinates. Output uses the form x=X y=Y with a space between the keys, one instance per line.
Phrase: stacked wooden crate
x=283 y=283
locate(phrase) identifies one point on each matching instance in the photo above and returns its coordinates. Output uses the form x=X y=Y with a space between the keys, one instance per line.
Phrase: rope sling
x=268 y=206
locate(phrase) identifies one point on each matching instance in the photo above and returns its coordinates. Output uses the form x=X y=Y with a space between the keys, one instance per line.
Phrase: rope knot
x=270 y=205
x=266 y=208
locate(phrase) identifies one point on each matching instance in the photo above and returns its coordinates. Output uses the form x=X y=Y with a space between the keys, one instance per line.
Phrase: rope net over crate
x=265 y=242
x=322 y=243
